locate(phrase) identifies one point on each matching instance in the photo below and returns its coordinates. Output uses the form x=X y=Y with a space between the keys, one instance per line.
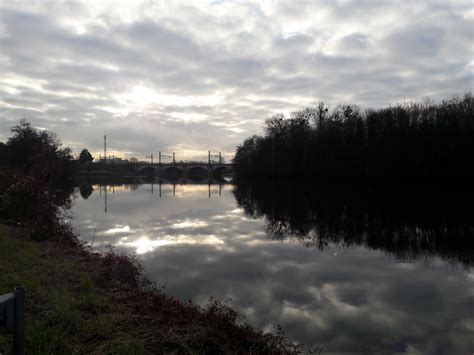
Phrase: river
x=342 y=270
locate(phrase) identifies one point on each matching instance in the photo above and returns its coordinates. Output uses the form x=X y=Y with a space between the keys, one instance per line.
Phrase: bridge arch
x=197 y=173
x=222 y=172
x=147 y=170
x=172 y=173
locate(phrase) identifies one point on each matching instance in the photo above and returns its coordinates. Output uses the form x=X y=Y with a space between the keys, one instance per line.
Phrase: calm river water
x=350 y=270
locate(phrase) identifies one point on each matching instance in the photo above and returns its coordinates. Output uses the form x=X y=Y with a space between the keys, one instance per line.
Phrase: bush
x=25 y=202
x=37 y=153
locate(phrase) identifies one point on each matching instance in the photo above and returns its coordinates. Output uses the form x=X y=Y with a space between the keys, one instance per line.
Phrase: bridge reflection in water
x=154 y=186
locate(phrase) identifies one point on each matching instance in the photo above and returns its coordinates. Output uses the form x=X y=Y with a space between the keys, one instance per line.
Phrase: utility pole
x=159 y=157
x=151 y=157
x=105 y=199
x=209 y=156
x=105 y=147
x=174 y=160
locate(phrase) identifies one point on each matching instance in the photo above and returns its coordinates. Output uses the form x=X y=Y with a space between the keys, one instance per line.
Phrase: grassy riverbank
x=66 y=310
x=83 y=302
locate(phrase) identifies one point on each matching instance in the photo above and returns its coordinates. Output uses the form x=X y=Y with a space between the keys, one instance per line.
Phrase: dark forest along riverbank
x=350 y=269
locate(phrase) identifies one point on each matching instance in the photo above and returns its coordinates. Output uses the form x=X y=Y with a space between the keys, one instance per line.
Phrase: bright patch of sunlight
x=189 y=224
x=145 y=244
x=11 y=90
x=117 y=230
x=13 y=81
x=141 y=96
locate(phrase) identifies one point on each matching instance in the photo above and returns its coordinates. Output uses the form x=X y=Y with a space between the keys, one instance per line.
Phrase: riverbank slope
x=84 y=302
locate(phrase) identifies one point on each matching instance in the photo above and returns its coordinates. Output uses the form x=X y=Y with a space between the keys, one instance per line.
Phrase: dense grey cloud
x=189 y=76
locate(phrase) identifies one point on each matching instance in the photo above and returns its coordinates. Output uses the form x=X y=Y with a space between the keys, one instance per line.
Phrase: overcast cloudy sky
x=188 y=76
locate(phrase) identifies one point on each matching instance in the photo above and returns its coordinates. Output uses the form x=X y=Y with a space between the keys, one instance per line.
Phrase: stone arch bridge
x=190 y=170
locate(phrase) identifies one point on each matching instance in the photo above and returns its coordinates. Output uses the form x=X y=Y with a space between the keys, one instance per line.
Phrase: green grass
x=66 y=312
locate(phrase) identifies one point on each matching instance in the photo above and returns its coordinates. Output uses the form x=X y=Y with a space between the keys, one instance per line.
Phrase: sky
x=193 y=76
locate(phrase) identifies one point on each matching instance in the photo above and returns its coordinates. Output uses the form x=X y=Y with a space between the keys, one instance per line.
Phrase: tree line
x=408 y=140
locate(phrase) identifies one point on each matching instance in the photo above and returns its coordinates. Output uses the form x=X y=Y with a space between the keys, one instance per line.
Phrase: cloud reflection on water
x=346 y=299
